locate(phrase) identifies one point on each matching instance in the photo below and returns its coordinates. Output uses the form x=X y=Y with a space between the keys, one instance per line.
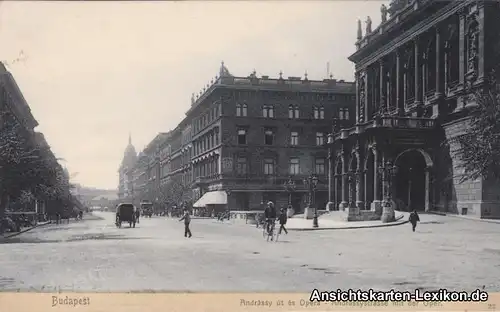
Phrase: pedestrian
x=187 y=220
x=414 y=218
x=283 y=219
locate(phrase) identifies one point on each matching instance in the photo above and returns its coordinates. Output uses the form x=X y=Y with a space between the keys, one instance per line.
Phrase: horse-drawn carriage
x=147 y=208
x=126 y=212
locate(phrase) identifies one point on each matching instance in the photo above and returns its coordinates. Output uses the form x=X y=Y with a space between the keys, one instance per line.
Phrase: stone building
x=416 y=75
x=252 y=134
x=125 y=172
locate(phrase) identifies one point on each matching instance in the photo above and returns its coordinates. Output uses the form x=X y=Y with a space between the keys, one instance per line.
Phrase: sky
x=93 y=72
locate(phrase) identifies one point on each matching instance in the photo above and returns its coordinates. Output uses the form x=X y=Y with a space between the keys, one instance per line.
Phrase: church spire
x=129 y=138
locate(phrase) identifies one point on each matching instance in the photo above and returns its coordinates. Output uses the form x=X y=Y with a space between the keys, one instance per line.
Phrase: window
x=268 y=137
x=241 y=165
x=319 y=166
x=294 y=166
x=241 y=110
x=297 y=112
x=320 y=138
x=268 y=166
x=294 y=138
x=344 y=113
x=217 y=137
x=290 y=111
x=321 y=113
x=244 y=111
x=242 y=136
x=268 y=111
x=316 y=112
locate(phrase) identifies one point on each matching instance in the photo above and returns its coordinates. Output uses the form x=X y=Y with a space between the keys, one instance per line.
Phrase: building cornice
x=408 y=35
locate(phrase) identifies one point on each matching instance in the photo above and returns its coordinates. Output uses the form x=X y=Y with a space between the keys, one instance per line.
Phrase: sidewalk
x=325 y=222
x=12 y=234
x=86 y=217
x=466 y=217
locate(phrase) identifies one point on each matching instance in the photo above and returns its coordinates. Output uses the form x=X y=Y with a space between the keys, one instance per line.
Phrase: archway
x=411 y=183
x=369 y=179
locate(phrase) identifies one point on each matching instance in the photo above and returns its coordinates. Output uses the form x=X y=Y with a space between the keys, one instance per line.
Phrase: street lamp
x=388 y=171
x=290 y=188
x=311 y=183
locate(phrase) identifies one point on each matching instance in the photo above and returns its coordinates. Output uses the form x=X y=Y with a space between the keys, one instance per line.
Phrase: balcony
x=387 y=122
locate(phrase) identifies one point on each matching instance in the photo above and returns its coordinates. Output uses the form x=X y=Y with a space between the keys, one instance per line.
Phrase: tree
x=478 y=148
x=27 y=167
x=172 y=192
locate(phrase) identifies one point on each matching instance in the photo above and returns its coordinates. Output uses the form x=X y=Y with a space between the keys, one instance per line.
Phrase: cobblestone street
x=445 y=252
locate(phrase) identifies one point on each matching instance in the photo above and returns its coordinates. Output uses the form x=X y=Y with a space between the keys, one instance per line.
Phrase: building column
x=399 y=96
x=428 y=189
x=331 y=190
x=439 y=84
x=461 y=48
x=345 y=187
x=359 y=183
x=418 y=92
x=481 y=45
x=383 y=99
x=377 y=201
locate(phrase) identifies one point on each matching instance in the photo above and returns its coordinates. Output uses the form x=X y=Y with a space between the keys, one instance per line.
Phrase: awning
x=212 y=198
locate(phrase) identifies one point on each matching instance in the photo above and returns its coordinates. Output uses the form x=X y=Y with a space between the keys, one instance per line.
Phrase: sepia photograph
x=348 y=150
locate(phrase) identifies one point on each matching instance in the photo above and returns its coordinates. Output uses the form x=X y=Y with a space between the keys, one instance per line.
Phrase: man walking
x=414 y=218
x=187 y=220
x=283 y=219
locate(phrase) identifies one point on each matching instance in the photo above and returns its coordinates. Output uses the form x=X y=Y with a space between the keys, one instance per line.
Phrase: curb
x=395 y=223
x=496 y=221
x=26 y=230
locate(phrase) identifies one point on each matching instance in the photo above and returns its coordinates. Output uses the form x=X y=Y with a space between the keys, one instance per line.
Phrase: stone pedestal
x=309 y=213
x=388 y=214
x=290 y=212
x=376 y=206
x=360 y=205
x=343 y=206
x=330 y=206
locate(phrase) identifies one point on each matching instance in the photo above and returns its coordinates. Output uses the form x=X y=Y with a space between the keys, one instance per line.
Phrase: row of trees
x=29 y=171
x=171 y=193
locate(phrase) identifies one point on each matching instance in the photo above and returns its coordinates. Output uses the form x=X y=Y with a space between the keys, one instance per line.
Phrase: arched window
x=321 y=112
x=316 y=112
x=238 y=110
x=290 y=111
x=297 y=111
x=244 y=110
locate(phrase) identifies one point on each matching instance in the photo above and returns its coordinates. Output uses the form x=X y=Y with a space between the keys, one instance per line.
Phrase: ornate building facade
x=416 y=75
x=247 y=136
x=251 y=135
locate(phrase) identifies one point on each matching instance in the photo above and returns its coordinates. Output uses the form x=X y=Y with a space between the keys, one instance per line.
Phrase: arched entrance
x=411 y=187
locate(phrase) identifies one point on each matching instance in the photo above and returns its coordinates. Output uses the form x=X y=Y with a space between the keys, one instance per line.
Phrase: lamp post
x=290 y=188
x=388 y=171
x=312 y=182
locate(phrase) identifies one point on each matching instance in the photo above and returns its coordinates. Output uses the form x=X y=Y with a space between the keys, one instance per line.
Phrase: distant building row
x=245 y=136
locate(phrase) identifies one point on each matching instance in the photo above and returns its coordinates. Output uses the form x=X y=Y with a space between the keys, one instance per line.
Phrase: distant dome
x=130 y=155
